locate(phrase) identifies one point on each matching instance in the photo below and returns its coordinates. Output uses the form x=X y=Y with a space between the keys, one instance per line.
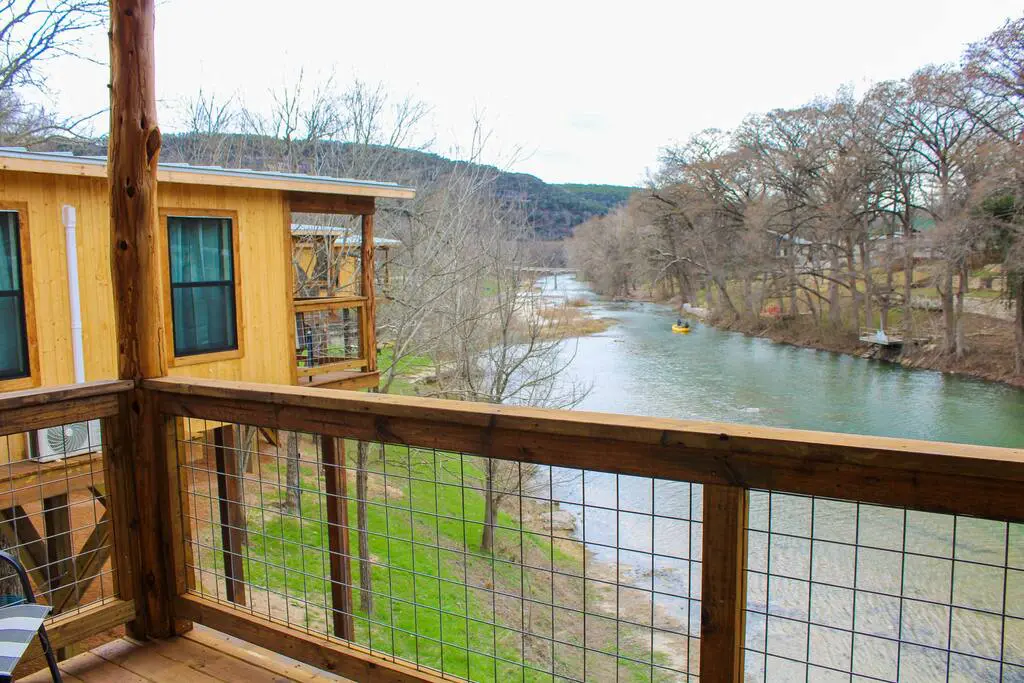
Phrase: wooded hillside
x=552 y=210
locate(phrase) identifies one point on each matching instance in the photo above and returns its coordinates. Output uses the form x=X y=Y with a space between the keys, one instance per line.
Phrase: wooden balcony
x=637 y=548
x=334 y=344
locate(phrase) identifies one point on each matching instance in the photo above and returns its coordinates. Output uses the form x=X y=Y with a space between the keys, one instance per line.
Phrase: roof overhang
x=96 y=167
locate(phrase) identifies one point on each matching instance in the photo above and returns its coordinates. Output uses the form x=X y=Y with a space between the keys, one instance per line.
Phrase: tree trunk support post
x=724 y=583
x=132 y=158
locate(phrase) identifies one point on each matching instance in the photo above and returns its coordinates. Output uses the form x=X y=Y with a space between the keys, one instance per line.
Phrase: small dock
x=881 y=338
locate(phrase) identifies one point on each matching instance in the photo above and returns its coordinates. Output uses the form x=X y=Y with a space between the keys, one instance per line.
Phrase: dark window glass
x=13 y=343
x=202 y=285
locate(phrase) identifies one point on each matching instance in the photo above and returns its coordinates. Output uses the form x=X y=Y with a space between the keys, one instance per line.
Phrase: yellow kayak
x=681 y=329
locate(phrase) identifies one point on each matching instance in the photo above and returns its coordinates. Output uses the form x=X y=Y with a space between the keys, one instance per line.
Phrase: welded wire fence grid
x=840 y=589
x=581 y=576
x=53 y=517
x=325 y=337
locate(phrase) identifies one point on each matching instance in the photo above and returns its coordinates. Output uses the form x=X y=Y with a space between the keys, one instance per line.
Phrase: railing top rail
x=23 y=411
x=322 y=303
x=944 y=477
x=58 y=394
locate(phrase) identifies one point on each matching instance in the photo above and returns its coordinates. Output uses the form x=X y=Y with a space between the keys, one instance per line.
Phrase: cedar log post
x=369 y=323
x=132 y=167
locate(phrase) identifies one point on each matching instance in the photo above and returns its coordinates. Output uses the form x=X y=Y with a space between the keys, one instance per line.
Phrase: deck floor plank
x=202 y=655
x=88 y=667
x=257 y=657
x=218 y=665
x=144 y=660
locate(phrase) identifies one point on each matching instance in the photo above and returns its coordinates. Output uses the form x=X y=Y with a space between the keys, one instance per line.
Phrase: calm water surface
x=640 y=367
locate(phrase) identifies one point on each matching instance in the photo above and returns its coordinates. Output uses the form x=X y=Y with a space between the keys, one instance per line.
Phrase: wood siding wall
x=267 y=322
x=264 y=264
x=44 y=196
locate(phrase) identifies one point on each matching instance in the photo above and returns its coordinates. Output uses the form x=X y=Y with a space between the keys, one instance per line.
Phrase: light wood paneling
x=263 y=267
x=44 y=195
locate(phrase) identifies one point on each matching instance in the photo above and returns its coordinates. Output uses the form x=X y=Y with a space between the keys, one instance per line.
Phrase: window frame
x=174 y=360
x=30 y=380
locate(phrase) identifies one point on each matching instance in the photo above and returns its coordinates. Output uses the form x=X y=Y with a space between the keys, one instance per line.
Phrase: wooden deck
x=202 y=655
x=351 y=380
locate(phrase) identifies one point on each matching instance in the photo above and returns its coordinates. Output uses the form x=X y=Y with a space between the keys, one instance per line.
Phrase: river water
x=640 y=367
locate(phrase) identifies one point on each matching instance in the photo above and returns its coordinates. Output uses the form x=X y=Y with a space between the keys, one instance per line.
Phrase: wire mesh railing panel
x=480 y=568
x=840 y=590
x=54 y=517
x=324 y=337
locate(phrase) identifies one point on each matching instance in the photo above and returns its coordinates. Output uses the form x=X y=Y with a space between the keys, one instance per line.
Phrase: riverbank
x=990 y=354
x=437 y=596
x=990 y=344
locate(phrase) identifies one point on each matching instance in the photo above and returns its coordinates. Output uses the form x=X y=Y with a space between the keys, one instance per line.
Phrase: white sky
x=589 y=91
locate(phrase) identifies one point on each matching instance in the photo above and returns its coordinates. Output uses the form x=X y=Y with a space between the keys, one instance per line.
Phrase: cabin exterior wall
x=265 y=315
x=266 y=322
x=345 y=262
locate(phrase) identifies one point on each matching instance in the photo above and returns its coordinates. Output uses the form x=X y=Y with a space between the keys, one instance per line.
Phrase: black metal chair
x=19 y=622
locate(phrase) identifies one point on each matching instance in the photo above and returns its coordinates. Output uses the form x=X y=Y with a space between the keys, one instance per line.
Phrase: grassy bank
x=438 y=598
x=409 y=368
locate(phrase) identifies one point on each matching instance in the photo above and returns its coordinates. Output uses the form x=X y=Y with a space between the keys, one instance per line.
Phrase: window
x=202 y=284
x=13 y=342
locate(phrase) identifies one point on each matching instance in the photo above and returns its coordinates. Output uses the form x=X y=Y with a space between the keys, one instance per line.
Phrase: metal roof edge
x=93 y=166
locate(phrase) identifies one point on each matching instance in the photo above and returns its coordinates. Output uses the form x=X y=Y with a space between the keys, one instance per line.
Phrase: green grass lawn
x=408 y=366
x=439 y=600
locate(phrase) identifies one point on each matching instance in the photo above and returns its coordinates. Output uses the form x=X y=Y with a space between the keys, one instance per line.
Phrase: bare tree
x=500 y=346
x=819 y=207
x=994 y=67
x=35 y=31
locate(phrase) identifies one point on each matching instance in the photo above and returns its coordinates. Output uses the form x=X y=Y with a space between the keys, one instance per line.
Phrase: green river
x=640 y=367
x=849 y=588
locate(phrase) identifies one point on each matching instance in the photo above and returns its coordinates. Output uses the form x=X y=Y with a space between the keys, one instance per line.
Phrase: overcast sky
x=589 y=91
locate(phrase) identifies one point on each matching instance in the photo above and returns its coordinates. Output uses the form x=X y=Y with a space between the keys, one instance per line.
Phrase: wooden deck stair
x=202 y=655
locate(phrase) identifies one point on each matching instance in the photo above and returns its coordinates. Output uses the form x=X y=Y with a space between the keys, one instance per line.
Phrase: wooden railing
x=66 y=505
x=331 y=335
x=725 y=466
x=736 y=524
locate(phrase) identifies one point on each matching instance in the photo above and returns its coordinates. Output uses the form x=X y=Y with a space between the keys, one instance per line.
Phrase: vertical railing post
x=178 y=539
x=59 y=552
x=232 y=512
x=336 y=485
x=368 y=317
x=119 y=479
x=724 y=583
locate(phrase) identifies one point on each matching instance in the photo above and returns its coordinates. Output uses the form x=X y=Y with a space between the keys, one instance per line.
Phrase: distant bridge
x=550 y=271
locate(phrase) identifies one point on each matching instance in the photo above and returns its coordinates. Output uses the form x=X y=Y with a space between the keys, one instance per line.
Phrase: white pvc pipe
x=74 y=296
